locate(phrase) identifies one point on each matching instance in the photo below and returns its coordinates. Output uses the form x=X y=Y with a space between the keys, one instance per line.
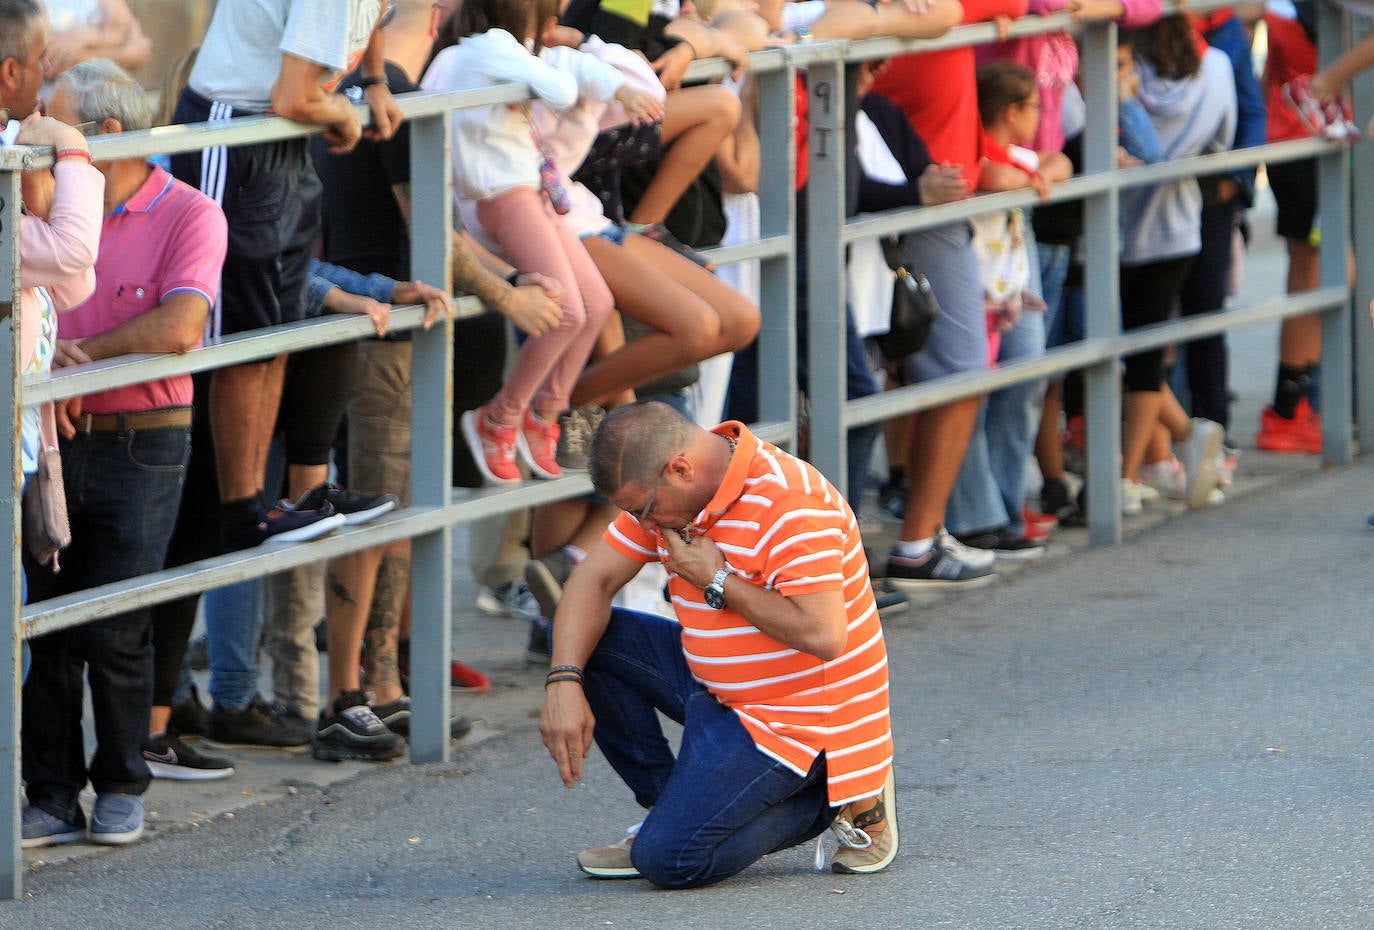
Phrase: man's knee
x=665 y=863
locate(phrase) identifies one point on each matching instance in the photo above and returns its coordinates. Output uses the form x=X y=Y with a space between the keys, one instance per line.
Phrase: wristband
x=375 y=81
x=511 y=279
x=560 y=678
x=574 y=669
x=74 y=153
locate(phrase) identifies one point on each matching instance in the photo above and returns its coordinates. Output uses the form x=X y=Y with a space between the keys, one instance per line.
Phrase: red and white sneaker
x=492 y=447
x=1330 y=117
x=538 y=444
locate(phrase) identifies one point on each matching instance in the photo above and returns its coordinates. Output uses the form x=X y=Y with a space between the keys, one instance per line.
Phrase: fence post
x=11 y=856
x=1362 y=222
x=777 y=339
x=1333 y=206
x=829 y=96
x=1101 y=285
x=431 y=445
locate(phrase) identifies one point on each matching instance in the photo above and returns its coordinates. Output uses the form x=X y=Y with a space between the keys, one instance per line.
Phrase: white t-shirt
x=241 y=56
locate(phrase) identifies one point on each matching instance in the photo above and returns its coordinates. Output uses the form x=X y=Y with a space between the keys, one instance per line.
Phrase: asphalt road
x=1169 y=733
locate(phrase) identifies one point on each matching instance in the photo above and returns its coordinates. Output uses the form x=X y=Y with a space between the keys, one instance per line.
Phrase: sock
x=1292 y=386
x=913 y=548
x=239 y=512
x=577 y=555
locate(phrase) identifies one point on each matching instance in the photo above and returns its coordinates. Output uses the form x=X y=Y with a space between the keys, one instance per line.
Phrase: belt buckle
x=85 y=423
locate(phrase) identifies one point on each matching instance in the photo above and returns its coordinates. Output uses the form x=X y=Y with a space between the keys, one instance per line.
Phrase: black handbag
x=914 y=307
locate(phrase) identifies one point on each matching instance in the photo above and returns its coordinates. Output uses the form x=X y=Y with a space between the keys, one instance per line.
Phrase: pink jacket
x=59 y=254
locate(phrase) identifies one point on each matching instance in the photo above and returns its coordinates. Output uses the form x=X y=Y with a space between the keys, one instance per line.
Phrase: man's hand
x=68 y=352
x=942 y=184
x=344 y=133
x=566 y=726
x=530 y=308
x=436 y=302
x=693 y=561
x=386 y=113
x=67 y=412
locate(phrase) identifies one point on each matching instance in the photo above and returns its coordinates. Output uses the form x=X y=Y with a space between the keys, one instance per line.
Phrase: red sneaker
x=1038 y=526
x=492 y=447
x=538 y=444
x=1302 y=434
x=466 y=678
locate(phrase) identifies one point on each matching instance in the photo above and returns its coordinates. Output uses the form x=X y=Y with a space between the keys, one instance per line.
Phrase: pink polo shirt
x=165 y=239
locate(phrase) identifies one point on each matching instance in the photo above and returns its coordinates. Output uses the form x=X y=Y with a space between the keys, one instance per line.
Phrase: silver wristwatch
x=715 y=591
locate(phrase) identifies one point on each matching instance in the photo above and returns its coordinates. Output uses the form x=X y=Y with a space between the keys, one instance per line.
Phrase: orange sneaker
x=492 y=446
x=538 y=444
x=1302 y=434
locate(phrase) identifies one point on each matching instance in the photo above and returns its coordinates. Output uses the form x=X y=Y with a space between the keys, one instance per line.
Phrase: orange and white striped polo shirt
x=781 y=525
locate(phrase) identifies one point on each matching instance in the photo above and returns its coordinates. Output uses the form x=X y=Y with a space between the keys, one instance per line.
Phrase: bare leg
x=696 y=315
x=1142 y=415
x=243 y=413
x=937 y=450
x=853 y=19
x=1049 y=448
x=391 y=567
x=696 y=121
x=348 y=598
x=554 y=525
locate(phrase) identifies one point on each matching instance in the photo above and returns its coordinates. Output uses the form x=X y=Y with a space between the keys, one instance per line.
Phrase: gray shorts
x=958 y=339
x=379 y=420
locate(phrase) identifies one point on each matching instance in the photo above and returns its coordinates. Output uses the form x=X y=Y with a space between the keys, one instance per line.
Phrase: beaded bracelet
x=573 y=669
x=74 y=153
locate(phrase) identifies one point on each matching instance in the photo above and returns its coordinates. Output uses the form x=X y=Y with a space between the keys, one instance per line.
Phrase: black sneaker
x=537 y=650
x=1004 y=544
x=356 y=508
x=189 y=717
x=283 y=524
x=1059 y=497
x=351 y=731
x=890 y=602
x=396 y=717
x=255 y=725
x=944 y=566
x=170 y=758
x=545 y=577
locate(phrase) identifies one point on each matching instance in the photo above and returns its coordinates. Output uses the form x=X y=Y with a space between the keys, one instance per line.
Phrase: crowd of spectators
x=580 y=219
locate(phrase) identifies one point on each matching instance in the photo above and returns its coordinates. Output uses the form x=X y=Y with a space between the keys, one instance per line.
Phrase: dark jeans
x=1204 y=290
x=721 y=804
x=122 y=496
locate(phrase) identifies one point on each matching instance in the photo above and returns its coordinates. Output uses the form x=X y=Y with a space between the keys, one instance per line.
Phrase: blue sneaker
x=43 y=829
x=116 y=819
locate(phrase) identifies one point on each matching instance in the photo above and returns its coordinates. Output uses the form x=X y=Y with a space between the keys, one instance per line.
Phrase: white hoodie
x=493 y=150
x=1193 y=116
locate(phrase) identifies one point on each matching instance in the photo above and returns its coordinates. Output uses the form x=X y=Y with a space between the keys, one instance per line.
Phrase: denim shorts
x=614 y=233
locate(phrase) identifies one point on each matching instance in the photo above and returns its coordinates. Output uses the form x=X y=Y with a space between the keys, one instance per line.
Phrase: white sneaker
x=1166 y=477
x=1201 y=451
x=1130 y=498
x=978 y=558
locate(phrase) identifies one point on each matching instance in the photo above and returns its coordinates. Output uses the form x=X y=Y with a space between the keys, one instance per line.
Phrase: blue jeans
x=233 y=623
x=721 y=804
x=122 y=497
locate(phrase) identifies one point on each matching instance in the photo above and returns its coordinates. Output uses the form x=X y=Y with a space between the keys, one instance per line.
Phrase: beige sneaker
x=862 y=858
x=611 y=861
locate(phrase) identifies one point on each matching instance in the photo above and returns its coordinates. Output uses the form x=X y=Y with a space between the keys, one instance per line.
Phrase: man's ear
x=11 y=73
x=111 y=126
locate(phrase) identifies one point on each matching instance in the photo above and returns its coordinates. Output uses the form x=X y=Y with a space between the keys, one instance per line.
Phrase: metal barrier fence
x=436 y=509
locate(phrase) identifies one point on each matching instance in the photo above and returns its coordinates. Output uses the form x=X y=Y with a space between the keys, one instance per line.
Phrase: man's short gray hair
x=102 y=89
x=633 y=444
x=18 y=18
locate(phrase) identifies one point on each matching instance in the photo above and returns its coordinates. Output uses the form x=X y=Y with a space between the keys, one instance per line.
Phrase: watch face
x=715 y=596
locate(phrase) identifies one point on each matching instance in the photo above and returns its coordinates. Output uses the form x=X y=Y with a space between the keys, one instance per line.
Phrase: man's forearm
x=781 y=618
x=471 y=276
